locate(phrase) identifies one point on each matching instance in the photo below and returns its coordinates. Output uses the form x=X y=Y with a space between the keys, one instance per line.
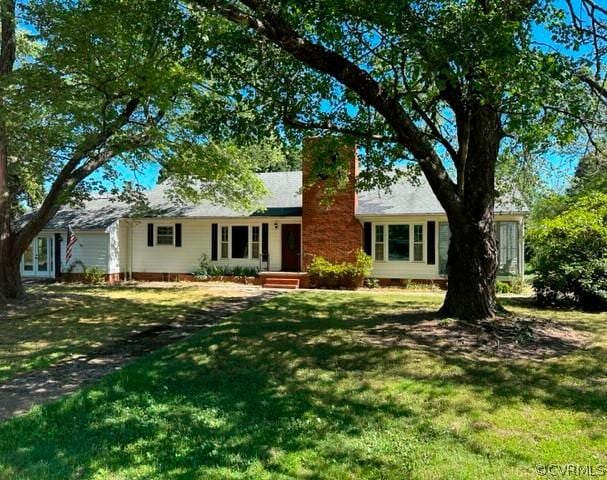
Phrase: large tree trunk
x=11 y=286
x=472 y=267
x=10 y=281
x=472 y=257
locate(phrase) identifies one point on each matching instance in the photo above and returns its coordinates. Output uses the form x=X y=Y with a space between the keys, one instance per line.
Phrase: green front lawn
x=58 y=322
x=320 y=385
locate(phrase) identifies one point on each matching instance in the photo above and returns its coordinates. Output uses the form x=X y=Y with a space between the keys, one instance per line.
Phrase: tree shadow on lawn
x=76 y=322
x=294 y=376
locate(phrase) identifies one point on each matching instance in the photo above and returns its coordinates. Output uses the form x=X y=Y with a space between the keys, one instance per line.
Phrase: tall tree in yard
x=100 y=82
x=447 y=85
x=7 y=61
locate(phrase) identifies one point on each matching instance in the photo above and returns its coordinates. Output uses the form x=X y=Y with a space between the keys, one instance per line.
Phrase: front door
x=37 y=260
x=291 y=247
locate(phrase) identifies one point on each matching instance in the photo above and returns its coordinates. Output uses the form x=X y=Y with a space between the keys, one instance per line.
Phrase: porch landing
x=286 y=280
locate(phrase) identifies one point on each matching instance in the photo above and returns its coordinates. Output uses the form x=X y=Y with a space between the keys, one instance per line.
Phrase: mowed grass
x=292 y=389
x=57 y=322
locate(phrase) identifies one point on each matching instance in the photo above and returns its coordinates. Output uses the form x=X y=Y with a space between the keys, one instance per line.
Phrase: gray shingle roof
x=284 y=199
x=404 y=198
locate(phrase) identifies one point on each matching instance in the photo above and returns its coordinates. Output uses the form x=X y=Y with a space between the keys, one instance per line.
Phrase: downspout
x=521 y=247
x=130 y=251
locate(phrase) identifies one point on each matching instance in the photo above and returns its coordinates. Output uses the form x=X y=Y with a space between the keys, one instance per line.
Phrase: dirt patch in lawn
x=508 y=337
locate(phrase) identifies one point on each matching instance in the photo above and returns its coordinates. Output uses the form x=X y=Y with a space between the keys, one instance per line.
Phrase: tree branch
x=68 y=177
x=275 y=28
x=328 y=126
x=595 y=86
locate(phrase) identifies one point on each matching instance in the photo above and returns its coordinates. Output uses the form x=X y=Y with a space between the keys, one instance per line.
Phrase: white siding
x=196 y=241
x=123 y=247
x=91 y=249
x=410 y=269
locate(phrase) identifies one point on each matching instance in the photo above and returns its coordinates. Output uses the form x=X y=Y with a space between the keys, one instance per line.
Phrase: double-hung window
x=379 y=243
x=508 y=251
x=225 y=242
x=418 y=243
x=255 y=238
x=164 y=235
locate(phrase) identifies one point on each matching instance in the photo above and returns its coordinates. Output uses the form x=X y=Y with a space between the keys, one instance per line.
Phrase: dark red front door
x=291 y=247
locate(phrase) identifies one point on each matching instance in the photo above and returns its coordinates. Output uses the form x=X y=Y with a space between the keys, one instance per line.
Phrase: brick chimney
x=329 y=226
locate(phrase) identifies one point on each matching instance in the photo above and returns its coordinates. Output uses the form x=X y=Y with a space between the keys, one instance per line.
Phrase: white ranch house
x=405 y=231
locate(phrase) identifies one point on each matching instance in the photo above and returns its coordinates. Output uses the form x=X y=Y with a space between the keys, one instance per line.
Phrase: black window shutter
x=367 y=239
x=214 y=241
x=178 y=234
x=150 y=234
x=431 y=254
x=264 y=241
x=57 y=255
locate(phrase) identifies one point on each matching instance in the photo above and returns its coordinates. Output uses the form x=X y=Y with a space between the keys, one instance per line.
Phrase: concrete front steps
x=284 y=280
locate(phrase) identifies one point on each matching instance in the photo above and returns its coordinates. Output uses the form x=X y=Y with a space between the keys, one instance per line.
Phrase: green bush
x=219 y=271
x=206 y=270
x=204 y=265
x=502 y=287
x=518 y=285
x=94 y=275
x=571 y=254
x=245 y=272
x=324 y=274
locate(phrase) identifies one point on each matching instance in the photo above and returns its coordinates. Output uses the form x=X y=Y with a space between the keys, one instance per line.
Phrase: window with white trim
x=255 y=240
x=225 y=242
x=398 y=243
x=240 y=242
x=165 y=235
x=418 y=243
x=379 y=243
x=508 y=248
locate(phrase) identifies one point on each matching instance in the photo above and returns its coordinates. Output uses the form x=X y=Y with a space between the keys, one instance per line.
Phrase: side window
x=164 y=235
x=379 y=243
x=507 y=237
x=225 y=242
x=255 y=239
x=418 y=243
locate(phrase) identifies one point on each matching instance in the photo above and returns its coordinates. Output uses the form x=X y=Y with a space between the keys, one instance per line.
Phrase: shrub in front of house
x=502 y=287
x=94 y=275
x=325 y=274
x=245 y=272
x=571 y=254
x=207 y=271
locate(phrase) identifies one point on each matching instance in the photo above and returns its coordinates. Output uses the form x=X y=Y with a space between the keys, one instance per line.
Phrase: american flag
x=71 y=241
